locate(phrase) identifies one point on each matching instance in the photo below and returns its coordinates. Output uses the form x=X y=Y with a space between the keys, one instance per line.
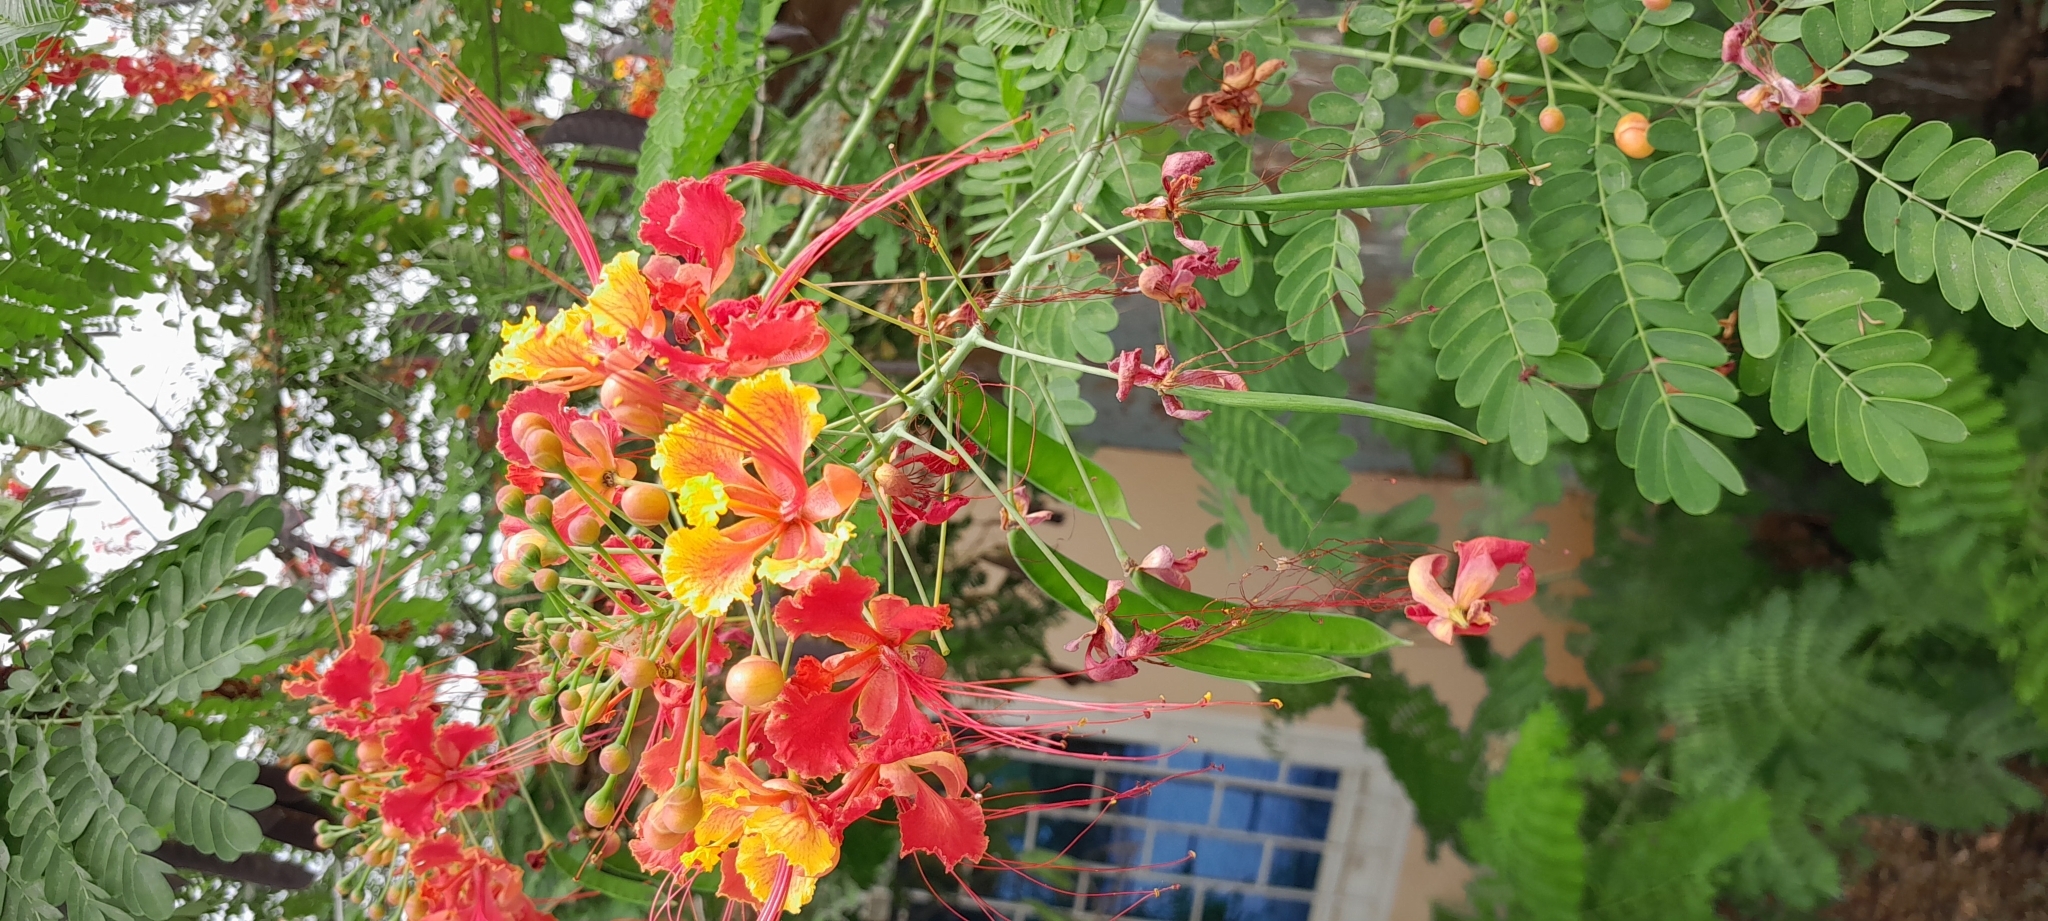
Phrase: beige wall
x=1163 y=489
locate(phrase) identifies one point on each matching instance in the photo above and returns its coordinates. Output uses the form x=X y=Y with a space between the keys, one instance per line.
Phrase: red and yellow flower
x=745 y=462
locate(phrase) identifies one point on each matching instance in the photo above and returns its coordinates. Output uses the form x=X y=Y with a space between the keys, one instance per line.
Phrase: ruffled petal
x=707 y=571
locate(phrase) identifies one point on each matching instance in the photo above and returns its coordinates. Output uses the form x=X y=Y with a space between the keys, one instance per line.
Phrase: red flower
x=756 y=338
x=947 y=823
x=1467 y=610
x=1177 y=176
x=812 y=725
x=1163 y=376
x=437 y=781
x=466 y=884
x=354 y=698
x=695 y=221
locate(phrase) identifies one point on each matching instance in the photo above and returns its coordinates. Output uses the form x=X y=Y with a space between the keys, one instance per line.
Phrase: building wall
x=1162 y=489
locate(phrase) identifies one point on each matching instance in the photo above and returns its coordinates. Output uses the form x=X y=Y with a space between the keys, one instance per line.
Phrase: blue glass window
x=1183 y=800
x=1243 y=906
x=1235 y=767
x=1254 y=826
x=1274 y=813
x=1294 y=869
x=1302 y=775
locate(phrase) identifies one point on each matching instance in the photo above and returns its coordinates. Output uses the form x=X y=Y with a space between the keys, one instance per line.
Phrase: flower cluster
x=666 y=497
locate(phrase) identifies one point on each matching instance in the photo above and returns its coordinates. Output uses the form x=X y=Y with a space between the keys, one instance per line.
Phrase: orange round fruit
x=1552 y=120
x=1485 y=67
x=1547 y=43
x=1437 y=27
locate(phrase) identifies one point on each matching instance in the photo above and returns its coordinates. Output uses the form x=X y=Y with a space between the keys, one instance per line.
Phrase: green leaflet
x=1301 y=402
x=710 y=81
x=1235 y=656
x=1046 y=463
x=30 y=427
x=1414 y=193
x=600 y=879
x=200 y=791
x=1319 y=269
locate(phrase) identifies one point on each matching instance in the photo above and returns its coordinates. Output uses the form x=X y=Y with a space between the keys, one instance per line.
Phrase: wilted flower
x=1163 y=376
x=1467 y=610
x=1236 y=105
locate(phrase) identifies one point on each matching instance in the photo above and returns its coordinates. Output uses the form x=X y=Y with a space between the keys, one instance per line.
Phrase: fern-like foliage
x=88 y=209
x=96 y=780
x=1528 y=836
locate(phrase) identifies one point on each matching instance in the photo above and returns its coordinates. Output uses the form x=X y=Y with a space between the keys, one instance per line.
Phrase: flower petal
x=707 y=571
x=1422 y=583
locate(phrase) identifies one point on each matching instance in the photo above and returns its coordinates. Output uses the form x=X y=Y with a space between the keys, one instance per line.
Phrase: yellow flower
x=557 y=354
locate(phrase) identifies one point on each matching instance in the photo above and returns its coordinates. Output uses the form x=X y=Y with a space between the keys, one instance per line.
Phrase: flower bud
x=679 y=810
x=1467 y=105
x=515 y=620
x=567 y=746
x=511 y=499
x=511 y=574
x=320 y=752
x=517 y=251
x=571 y=699
x=1632 y=135
x=370 y=755
x=753 y=681
x=539 y=509
x=601 y=808
x=639 y=672
x=614 y=759
x=542 y=709
x=584 y=530
x=525 y=424
x=645 y=504
x=304 y=776
x=544 y=449
x=546 y=580
x=635 y=400
x=582 y=643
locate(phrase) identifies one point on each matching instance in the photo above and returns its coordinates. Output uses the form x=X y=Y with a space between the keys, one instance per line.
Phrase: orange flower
x=747 y=460
x=771 y=821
